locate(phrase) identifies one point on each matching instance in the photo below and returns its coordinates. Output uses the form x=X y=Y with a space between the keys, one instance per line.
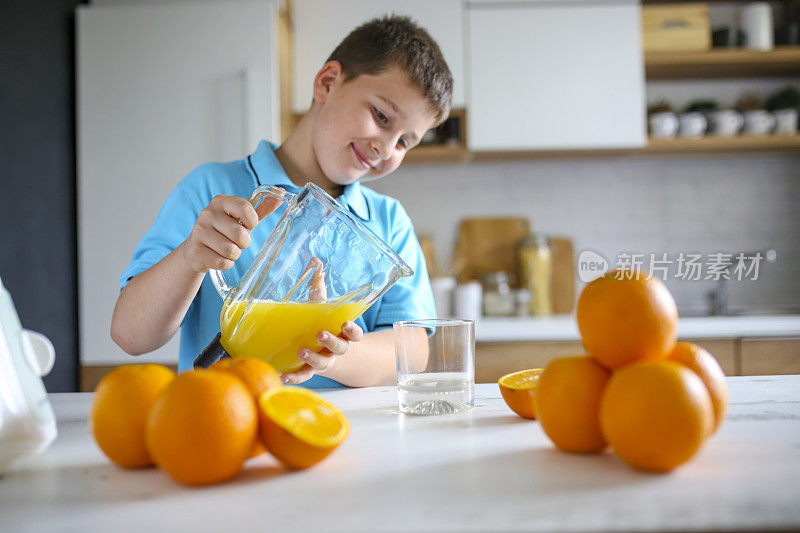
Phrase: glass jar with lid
x=537 y=272
x=498 y=300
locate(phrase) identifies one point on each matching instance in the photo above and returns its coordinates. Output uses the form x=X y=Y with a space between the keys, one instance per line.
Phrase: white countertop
x=564 y=328
x=556 y=328
x=486 y=470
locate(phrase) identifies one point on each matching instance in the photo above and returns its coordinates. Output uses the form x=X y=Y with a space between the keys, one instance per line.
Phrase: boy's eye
x=380 y=116
x=402 y=143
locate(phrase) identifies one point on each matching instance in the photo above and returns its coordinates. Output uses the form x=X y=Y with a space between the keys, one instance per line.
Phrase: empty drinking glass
x=435 y=366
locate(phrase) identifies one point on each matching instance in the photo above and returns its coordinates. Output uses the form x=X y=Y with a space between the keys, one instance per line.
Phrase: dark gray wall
x=37 y=174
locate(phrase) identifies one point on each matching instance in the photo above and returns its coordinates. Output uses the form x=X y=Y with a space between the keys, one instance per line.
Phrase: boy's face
x=365 y=126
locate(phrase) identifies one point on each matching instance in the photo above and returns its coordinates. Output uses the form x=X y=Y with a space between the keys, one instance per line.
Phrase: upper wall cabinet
x=555 y=75
x=319 y=25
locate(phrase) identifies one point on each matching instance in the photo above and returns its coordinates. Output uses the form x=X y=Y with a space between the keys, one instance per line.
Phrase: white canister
x=727 y=122
x=758 y=122
x=756 y=20
x=692 y=125
x=443 y=295
x=785 y=121
x=467 y=301
x=663 y=125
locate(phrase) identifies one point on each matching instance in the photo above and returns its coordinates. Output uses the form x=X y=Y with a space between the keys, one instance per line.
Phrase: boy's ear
x=326 y=79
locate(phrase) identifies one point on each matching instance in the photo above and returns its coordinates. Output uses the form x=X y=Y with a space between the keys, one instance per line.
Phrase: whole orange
x=519 y=391
x=656 y=415
x=568 y=403
x=257 y=375
x=299 y=427
x=121 y=404
x=704 y=365
x=202 y=427
x=627 y=320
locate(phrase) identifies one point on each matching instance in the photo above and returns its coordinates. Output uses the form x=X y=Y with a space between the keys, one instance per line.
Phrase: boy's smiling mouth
x=365 y=164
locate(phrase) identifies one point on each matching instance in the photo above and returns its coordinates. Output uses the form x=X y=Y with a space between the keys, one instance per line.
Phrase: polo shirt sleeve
x=410 y=298
x=172 y=226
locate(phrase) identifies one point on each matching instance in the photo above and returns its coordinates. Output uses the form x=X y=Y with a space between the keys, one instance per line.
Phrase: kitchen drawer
x=770 y=356
x=92 y=374
x=724 y=350
x=493 y=360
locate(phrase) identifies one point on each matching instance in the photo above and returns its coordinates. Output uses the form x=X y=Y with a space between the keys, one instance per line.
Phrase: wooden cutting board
x=562 y=284
x=489 y=245
x=492 y=244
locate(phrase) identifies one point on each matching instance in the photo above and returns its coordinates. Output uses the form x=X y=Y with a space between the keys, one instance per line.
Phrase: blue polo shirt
x=409 y=298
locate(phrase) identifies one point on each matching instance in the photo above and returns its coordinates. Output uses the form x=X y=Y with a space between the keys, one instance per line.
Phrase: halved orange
x=298 y=426
x=519 y=391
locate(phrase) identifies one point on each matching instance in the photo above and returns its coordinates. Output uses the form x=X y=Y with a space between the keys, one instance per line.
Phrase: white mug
x=758 y=122
x=785 y=121
x=757 y=25
x=692 y=125
x=727 y=122
x=663 y=125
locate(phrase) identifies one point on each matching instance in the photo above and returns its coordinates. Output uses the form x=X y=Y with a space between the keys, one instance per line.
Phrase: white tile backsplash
x=702 y=204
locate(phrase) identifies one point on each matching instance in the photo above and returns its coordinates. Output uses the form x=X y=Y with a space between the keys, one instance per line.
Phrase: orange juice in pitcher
x=319 y=268
x=275 y=331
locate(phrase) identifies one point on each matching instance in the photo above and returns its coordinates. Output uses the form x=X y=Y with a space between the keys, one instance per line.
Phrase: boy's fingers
x=220 y=244
x=318 y=361
x=233 y=231
x=240 y=210
x=293 y=378
x=352 y=331
x=336 y=345
x=267 y=207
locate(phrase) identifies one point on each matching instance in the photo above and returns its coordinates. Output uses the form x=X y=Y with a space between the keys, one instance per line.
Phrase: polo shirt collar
x=268 y=171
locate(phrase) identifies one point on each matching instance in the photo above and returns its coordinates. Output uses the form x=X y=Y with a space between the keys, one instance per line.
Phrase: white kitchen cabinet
x=555 y=75
x=320 y=25
x=161 y=89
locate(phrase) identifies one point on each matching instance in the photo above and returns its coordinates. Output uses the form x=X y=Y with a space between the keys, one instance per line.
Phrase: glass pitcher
x=319 y=268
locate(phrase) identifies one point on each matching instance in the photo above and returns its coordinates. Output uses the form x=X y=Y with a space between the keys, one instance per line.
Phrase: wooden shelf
x=739 y=145
x=720 y=145
x=721 y=63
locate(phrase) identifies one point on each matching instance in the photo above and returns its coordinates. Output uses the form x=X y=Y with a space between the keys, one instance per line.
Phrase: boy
x=381 y=89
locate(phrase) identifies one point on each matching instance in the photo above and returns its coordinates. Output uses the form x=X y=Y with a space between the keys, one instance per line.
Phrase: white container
x=756 y=22
x=663 y=125
x=443 y=295
x=467 y=301
x=758 y=122
x=692 y=125
x=27 y=421
x=785 y=121
x=727 y=122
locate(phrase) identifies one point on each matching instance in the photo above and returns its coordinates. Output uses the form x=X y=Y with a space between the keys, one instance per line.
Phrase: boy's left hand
x=332 y=347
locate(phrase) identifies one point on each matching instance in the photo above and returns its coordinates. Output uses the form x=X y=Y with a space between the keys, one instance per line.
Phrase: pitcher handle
x=264 y=191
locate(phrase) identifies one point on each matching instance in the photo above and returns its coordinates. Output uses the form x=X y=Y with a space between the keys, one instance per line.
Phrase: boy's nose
x=380 y=149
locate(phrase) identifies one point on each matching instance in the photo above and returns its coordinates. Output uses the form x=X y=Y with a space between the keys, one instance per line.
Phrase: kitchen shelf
x=738 y=144
x=723 y=63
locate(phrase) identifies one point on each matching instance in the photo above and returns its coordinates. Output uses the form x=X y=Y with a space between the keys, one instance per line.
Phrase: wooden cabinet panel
x=724 y=350
x=770 y=356
x=92 y=374
x=495 y=359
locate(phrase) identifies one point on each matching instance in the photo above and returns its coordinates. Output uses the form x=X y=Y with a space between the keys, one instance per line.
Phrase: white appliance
x=27 y=421
x=162 y=87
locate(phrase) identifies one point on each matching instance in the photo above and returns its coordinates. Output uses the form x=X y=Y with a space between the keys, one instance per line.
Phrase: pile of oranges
x=652 y=399
x=201 y=426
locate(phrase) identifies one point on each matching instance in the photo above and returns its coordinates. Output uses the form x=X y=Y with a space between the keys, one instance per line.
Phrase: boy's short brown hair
x=390 y=41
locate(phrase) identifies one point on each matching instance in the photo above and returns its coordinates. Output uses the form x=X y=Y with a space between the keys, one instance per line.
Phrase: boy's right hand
x=222 y=231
